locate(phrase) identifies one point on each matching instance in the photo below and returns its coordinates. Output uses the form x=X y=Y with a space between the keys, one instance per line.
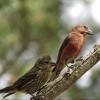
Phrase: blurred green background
x=33 y=28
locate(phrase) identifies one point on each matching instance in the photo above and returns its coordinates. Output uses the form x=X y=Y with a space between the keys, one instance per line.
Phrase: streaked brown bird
x=70 y=47
x=33 y=80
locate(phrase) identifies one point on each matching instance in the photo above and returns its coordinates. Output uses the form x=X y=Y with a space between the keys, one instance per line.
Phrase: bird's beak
x=89 y=32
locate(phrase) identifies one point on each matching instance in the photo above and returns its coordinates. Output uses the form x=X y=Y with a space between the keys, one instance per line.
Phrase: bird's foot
x=79 y=60
x=77 y=63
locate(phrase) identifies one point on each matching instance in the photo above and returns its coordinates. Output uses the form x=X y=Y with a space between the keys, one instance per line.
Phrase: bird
x=33 y=80
x=70 y=48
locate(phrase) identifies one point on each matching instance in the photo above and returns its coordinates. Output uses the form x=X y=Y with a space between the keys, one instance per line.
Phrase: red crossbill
x=70 y=48
x=33 y=80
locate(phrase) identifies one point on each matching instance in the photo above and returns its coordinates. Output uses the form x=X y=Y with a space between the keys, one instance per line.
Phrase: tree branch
x=62 y=83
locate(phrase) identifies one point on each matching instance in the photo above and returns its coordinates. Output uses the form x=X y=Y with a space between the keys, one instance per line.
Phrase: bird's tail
x=9 y=90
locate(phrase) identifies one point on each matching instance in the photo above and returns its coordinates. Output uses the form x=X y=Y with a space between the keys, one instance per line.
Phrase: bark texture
x=62 y=83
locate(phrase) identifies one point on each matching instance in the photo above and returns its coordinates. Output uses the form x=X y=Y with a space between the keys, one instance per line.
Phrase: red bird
x=70 y=48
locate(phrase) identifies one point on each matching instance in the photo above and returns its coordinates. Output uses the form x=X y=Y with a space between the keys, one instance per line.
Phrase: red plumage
x=70 y=48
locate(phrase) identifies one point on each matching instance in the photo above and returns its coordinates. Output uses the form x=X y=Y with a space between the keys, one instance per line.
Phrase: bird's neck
x=74 y=33
x=76 y=37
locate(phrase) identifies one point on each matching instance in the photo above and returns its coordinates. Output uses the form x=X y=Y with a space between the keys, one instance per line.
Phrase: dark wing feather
x=26 y=78
x=64 y=44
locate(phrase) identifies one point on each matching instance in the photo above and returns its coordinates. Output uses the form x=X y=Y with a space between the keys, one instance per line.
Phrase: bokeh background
x=33 y=28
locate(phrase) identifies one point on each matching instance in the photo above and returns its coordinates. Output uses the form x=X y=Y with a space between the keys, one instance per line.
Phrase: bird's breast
x=74 y=46
x=77 y=40
x=72 y=49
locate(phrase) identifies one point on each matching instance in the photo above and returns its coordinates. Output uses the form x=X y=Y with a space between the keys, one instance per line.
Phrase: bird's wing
x=64 y=44
x=31 y=75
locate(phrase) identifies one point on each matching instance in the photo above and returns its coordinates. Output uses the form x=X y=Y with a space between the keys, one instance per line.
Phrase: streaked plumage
x=34 y=79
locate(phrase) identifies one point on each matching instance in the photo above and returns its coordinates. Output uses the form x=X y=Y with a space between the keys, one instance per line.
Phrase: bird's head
x=45 y=63
x=82 y=29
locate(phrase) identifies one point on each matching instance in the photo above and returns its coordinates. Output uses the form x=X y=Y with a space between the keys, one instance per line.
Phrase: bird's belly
x=72 y=50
